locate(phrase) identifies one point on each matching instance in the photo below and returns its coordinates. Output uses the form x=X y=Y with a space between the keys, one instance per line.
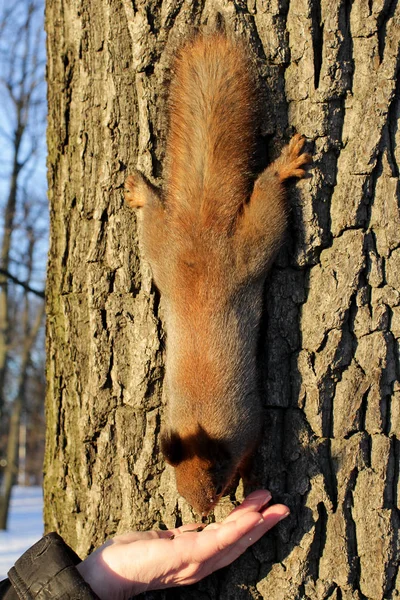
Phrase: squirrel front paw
x=139 y=191
x=134 y=196
x=292 y=160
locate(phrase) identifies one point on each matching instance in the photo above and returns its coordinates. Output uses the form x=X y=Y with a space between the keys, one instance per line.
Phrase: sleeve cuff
x=47 y=570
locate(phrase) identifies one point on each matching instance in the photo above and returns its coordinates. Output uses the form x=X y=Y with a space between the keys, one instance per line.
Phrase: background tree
x=24 y=218
x=31 y=323
x=330 y=381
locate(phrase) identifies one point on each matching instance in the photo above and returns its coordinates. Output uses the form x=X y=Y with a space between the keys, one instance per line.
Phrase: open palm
x=134 y=562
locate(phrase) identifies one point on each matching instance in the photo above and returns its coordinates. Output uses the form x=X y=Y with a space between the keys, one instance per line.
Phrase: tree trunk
x=330 y=336
x=9 y=215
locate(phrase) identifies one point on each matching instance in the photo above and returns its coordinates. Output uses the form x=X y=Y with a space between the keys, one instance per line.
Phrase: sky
x=22 y=74
x=16 y=42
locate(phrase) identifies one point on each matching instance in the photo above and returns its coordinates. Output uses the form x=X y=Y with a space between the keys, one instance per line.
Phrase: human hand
x=135 y=562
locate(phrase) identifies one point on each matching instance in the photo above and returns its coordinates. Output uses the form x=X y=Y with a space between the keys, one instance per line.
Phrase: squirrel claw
x=292 y=159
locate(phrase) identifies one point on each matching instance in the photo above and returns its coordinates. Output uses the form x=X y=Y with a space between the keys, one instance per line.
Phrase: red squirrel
x=210 y=236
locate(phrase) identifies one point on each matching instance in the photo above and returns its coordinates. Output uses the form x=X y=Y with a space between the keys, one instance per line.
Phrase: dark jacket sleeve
x=47 y=570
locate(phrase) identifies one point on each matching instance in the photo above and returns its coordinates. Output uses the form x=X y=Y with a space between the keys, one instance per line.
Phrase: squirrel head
x=203 y=467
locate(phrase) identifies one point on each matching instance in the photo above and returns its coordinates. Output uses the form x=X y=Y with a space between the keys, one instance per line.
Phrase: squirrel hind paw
x=292 y=160
x=133 y=196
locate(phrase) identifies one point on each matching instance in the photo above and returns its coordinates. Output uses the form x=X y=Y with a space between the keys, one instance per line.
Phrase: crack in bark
x=364 y=211
x=68 y=77
x=351 y=531
x=392 y=125
x=317 y=33
x=334 y=375
x=393 y=564
x=331 y=479
x=385 y=15
x=363 y=410
x=108 y=384
x=392 y=583
x=318 y=544
x=346 y=52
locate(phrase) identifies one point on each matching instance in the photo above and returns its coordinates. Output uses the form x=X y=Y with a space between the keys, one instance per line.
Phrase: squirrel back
x=210 y=237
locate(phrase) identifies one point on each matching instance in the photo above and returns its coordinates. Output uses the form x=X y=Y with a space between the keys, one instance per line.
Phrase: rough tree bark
x=330 y=338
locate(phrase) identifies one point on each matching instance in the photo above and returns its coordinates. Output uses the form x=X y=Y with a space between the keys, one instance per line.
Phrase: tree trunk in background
x=9 y=226
x=18 y=407
x=30 y=332
x=330 y=337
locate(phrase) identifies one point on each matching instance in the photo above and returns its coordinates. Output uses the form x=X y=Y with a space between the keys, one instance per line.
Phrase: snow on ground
x=25 y=525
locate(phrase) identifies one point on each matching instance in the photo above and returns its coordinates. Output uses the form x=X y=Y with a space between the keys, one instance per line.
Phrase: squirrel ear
x=207 y=446
x=172 y=447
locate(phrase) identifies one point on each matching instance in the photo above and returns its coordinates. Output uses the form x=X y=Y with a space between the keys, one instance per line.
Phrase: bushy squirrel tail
x=212 y=132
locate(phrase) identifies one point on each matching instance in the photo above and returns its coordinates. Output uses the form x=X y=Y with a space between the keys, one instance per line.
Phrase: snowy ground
x=25 y=525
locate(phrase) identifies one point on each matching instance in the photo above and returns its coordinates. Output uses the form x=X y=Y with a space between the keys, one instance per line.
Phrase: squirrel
x=210 y=236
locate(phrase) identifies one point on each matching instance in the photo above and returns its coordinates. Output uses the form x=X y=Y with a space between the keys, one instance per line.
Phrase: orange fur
x=210 y=238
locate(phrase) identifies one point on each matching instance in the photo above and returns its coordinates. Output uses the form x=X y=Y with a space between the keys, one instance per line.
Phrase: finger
x=218 y=536
x=279 y=511
x=232 y=532
x=269 y=518
x=254 y=502
x=211 y=542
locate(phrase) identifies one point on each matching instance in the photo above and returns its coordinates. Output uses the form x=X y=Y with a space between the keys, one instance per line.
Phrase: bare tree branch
x=23 y=284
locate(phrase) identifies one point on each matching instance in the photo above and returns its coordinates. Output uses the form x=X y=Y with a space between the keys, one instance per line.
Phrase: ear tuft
x=207 y=446
x=172 y=447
